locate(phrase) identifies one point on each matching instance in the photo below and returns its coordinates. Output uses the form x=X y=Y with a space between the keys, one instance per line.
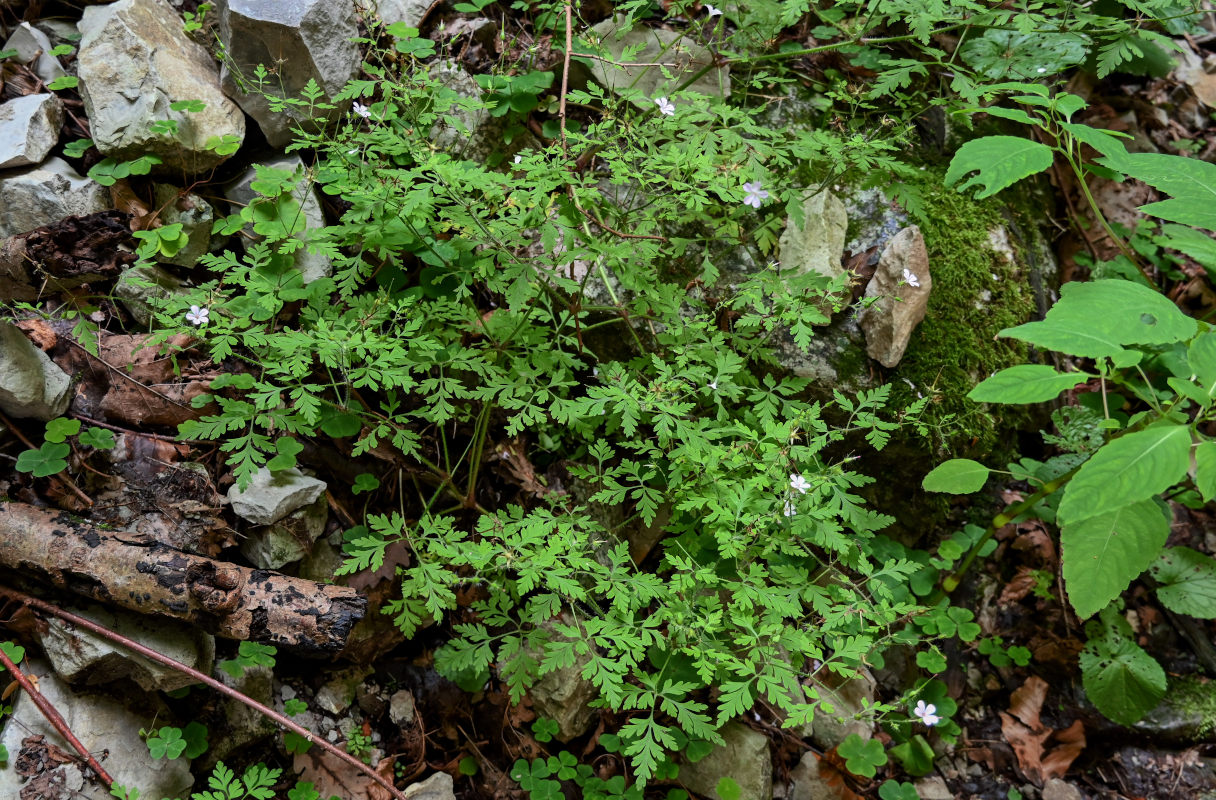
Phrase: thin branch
x=53 y=716
x=565 y=77
x=146 y=652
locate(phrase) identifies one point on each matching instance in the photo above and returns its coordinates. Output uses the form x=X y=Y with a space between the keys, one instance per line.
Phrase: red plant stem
x=265 y=711
x=53 y=716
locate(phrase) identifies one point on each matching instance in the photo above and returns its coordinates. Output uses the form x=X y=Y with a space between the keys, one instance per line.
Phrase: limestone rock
x=273 y=495
x=81 y=657
x=102 y=725
x=32 y=45
x=297 y=40
x=31 y=385
x=44 y=194
x=744 y=758
x=830 y=728
x=243 y=726
x=806 y=783
x=1197 y=73
x=340 y=690
x=29 y=129
x=562 y=695
x=289 y=539
x=903 y=273
x=311 y=265
x=658 y=45
x=137 y=287
x=818 y=244
x=875 y=220
x=134 y=61
x=195 y=216
x=1056 y=789
x=407 y=12
x=401 y=708
x=934 y=788
x=439 y=786
x=476 y=133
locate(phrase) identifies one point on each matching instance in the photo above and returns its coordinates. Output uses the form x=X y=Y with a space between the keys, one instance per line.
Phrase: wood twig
x=55 y=718
x=561 y=114
x=146 y=652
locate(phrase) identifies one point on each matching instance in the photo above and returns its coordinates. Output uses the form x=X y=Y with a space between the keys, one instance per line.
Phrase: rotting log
x=134 y=572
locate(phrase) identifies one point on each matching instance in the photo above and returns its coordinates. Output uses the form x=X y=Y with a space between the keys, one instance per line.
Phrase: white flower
x=789 y=509
x=713 y=12
x=713 y=386
x=927 y=713
x=1041 y=70
x=755 y=194
x=518 y=159
x=361 y=109
x=911 y=279
x=665 y=106
x=799 y=483
x=198 y=315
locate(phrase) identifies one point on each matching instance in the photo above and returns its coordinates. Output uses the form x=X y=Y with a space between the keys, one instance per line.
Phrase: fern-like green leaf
x=1000 y=161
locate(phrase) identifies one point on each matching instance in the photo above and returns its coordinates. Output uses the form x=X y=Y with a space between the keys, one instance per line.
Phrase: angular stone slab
x=134 y=61
x=138 y=287
x=298 y=40
x=902 y=283
x=273 y=495
x=31 y=385
x=29 y=129
x=660 y=46
x=743 y=757
x=82 y=657
x=289 y=539
x=33 y=48
x=41 y=195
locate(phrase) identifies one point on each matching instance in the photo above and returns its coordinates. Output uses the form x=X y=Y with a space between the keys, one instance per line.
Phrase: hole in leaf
x=1148 y=319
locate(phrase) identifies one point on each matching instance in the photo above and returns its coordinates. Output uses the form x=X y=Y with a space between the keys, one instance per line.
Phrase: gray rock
x=902 y=285
x=272 y=496
x=818 y=244
x=408 y=12
x=295 y=40
x=563 y=696
x=44 y=194
x=311 y=265
x=139 y=289
x=193 y=213
x=439 y=786
x=1054 y=789
x=134 y=61
x=657 y=45
x=31 y=385
x=874 y=220
x=321 y=563
x=934 y=788
x=104 y=727
x=289 y=539
x=29 y=129
x=244 y=726
x=744 y=758
x=60 y=31
x=806 y=784
x=475 y=134
x=32 y=45
x=852 y=697
x=81 y=657
x=1196 y=72
x=338 y=693
x=401 y=708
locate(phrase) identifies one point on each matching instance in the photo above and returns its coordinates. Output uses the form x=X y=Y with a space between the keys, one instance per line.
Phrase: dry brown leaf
x=1070 y=743
x=1019 y=586
x=1024 y=731
x=1027 y=702
x=38 y=332
x=125 y=200
x=331 y=775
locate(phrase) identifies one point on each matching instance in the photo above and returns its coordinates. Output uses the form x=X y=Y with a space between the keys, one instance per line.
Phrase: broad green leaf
x=1205 y=470
x=1000 y=161
x=58 y=430
x=49 y=459
x=862 y=757
x=1133 y=467
x=1097 y=319
x=1122 y=680
x=1009 y=54
x=1026 y=383
x=1190 y=182
x=1105 y=142
x=1196 y=244
x=1104 y=553
x=1201 y=358
x=956 y=476
x=1186 y=582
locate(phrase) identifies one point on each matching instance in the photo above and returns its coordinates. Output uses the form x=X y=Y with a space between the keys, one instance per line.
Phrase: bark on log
x=137 y=573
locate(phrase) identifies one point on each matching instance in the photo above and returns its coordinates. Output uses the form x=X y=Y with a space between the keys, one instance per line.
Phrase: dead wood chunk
x=137 y=573
x=81 y=249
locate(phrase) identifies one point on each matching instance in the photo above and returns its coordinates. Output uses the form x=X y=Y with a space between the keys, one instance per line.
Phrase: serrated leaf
x=1190 y=182
x=1104 y=553
x=1004 y=54
x=1097 y=319
x=956 y=476
x=1129 y=469
x=1122 y=680
x=1205 y=470
x=1026 y=383
x=1186 y=582
x=1196 y=244
x=1000 y=161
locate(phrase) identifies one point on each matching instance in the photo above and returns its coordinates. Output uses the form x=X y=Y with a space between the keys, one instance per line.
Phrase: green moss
x=977 y=292
x=1194 y=697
